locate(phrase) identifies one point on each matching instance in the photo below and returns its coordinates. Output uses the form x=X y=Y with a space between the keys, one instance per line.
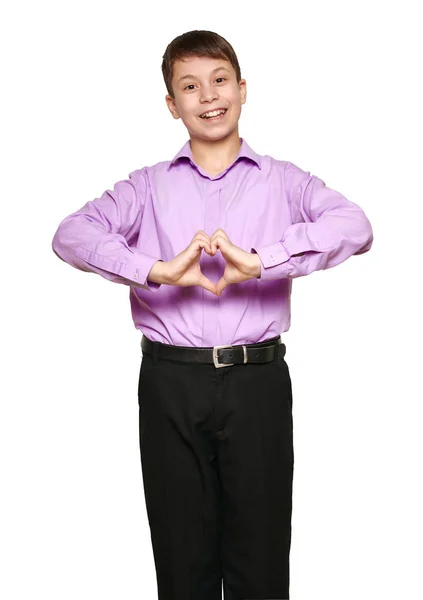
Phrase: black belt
x=220 y=356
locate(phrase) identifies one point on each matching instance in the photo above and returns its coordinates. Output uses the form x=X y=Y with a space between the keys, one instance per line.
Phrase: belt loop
x=155 y=353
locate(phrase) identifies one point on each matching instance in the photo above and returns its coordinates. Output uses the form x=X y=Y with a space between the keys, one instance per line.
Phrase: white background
x=332 y=87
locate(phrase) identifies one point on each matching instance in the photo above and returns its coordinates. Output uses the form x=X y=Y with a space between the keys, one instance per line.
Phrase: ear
x=172 y=106
x=243 y=90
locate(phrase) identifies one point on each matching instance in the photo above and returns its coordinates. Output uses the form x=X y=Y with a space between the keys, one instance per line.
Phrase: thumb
x=207 y=284
x=221 y=285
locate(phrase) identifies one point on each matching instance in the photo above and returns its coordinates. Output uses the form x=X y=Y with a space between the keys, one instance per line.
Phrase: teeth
x=213 y=113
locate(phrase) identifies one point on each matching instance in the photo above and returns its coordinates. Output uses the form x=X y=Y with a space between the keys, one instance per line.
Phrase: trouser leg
x=180 y=478
x=255 y=469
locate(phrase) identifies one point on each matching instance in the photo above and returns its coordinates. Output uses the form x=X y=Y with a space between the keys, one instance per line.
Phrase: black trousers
x=217 y=462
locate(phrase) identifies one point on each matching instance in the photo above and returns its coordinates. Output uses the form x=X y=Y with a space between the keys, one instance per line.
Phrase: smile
x=217 y=117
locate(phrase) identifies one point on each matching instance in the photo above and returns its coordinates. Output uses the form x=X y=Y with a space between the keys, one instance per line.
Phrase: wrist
x=255 y=265
x=158 y=272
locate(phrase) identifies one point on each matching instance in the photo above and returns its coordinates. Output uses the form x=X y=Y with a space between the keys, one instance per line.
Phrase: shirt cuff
x=271 y=256
x=143 y=270
x=135 y=270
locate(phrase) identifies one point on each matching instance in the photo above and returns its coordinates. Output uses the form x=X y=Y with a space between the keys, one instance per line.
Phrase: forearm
x=87 y=248
x=285 y=265
x=326 y=229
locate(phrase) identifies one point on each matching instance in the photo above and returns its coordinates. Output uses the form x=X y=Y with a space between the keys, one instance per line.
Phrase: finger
x=202 y=235
x=207 y=284
x=220 y=286
x=219 y=242
x=203 y=244
x=221 y=233
x=214 y=243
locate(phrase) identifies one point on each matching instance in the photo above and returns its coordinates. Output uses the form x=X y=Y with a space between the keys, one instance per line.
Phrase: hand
x=184 y=269
x=240 y=265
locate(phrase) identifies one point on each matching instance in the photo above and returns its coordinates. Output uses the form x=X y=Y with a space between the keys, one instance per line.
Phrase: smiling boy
x=208 y=244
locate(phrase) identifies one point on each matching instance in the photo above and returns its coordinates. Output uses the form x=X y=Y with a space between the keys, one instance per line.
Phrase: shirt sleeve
x=98 y=237
x=326 y=229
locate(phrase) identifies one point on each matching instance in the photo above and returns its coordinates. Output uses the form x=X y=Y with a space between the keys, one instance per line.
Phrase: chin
x=216 y=133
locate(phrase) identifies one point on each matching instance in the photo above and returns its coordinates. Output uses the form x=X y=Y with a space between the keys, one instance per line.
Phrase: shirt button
x=136 y=275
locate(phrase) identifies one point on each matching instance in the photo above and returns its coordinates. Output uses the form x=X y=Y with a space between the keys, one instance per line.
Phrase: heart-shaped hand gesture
x=184 y=269
x=240 y=265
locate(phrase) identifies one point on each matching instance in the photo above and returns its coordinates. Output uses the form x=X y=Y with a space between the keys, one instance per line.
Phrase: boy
x=216 y=443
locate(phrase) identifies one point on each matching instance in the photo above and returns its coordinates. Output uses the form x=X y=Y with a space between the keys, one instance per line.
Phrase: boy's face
x=204 y=90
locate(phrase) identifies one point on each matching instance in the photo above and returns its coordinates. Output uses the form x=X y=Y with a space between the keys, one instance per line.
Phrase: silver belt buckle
x=215 y=358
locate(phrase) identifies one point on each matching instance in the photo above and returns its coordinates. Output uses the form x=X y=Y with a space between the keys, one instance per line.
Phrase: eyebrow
x=194 y=77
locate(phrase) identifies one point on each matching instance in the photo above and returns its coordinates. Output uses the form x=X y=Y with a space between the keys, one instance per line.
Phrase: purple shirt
x=267 y=206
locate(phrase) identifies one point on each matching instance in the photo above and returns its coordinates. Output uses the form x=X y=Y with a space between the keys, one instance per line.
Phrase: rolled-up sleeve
x=100 y=237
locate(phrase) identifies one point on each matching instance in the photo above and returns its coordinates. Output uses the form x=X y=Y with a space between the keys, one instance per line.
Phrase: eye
x=191 y=84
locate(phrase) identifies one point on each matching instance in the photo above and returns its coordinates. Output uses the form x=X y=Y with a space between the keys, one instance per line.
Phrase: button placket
x=211 y=223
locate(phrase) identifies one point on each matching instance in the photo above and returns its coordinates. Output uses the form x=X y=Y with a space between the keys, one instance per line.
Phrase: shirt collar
x=244 y=151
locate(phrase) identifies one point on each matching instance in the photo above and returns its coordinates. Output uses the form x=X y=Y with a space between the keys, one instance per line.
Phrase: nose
x=208 y=94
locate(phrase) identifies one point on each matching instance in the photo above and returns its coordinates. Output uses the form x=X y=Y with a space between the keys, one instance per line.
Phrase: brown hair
x=197 y=43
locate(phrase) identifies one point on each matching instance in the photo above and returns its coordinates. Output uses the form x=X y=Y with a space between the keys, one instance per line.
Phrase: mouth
x=217 y=118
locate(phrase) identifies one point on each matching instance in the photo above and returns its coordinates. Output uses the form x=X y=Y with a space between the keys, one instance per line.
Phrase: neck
x=215 y=155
